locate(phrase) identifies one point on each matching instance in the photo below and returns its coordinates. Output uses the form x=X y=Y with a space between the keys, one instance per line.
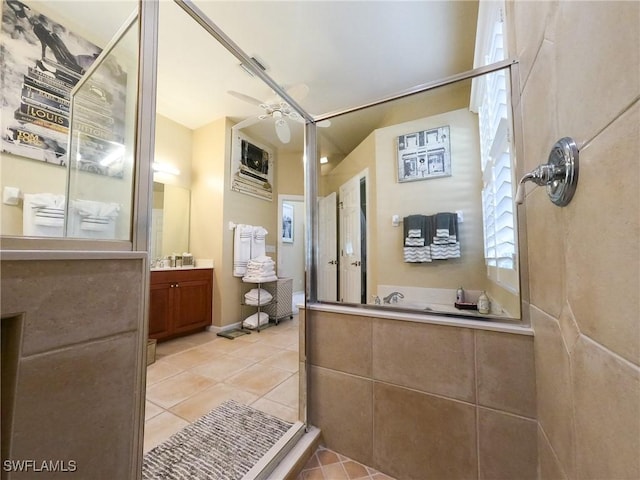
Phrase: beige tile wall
x=580 y=77
x=413 y=401
x=78 y=386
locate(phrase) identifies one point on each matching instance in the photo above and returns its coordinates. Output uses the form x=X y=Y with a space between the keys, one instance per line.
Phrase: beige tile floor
x=194 y=374
x=325 y=464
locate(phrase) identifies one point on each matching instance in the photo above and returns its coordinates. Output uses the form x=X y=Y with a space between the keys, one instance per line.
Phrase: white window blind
x=489 y=100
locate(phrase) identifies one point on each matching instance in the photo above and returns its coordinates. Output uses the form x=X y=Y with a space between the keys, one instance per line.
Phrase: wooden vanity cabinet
x=179 y=302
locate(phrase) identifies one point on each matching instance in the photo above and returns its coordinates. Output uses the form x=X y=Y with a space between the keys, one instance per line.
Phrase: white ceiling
x=347 y=52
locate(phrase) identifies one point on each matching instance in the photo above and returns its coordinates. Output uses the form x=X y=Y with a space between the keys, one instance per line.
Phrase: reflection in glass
x=465 y=235
x=102 y=146
x=169 y=220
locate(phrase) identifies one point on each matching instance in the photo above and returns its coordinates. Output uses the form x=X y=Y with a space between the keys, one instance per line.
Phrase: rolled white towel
x=252 y=320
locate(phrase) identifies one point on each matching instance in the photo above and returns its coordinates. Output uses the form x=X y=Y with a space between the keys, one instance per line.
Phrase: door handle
x=357 y=263
x=332 y=262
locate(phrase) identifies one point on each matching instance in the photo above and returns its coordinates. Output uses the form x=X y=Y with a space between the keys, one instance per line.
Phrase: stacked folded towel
x=257 y=296
x=252 y=320
x=260 y=269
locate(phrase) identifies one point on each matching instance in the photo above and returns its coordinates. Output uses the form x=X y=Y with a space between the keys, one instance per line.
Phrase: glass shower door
x=101 y=173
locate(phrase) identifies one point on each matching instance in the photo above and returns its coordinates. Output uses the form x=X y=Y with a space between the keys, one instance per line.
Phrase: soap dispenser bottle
x=484 y=305
x=460 y=295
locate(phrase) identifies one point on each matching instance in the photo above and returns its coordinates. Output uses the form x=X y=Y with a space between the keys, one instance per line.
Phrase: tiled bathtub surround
x=417 y=400
x=584 y=258
x=78 y=370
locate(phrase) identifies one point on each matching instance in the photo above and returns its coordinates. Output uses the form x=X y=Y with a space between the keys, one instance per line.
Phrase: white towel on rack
x=258 y=248
x=96 y=210
x=241 y=249
x=43 y=214
x=252 y=320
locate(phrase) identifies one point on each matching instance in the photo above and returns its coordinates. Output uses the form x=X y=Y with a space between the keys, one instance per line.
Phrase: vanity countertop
x=170 y=269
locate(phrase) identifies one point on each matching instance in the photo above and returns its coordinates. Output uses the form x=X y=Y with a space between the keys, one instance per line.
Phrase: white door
x=350 y=237
x=327 y=248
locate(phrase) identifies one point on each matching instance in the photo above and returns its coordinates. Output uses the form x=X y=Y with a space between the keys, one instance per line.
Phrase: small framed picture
x=287 y=223
x=424 y=155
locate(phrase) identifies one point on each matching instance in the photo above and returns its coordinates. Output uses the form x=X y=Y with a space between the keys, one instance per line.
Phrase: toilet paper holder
x=559 y=174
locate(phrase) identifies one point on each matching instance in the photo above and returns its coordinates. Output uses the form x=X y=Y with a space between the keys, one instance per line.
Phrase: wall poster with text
x=41 y=62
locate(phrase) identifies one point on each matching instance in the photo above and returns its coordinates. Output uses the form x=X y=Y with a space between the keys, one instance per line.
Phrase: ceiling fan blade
x=246 y=98
x=298 y=91
x=245 y=123
x=282 y=130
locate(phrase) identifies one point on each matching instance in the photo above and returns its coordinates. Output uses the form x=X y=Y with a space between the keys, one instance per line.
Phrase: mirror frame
x=311 y=193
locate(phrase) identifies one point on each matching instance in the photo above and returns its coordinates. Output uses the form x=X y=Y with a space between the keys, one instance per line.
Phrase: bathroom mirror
x=444 y=154
x=169 y=220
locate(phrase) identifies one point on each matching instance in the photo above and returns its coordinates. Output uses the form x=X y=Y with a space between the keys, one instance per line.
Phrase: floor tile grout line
x=276 y=346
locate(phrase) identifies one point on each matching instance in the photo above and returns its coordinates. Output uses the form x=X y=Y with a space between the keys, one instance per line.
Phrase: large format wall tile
x=506 y=374
x=340 y=342
x=78 y=404
x=419 y=436
x=508 y=446
x=545 y=238
x=553 y=384
x=109 y=291
x=548 y=466
x=603 y=252
x=341 y=405
x=607 y=412
x=530 y=23
x=598 y=75
x=539 y=113
x=430 y=358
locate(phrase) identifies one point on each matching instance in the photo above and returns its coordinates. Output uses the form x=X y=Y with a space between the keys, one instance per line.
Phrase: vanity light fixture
x=165 y=168
x=559 y=174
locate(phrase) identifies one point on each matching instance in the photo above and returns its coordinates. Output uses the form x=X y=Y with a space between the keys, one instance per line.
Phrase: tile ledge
x=460 y=322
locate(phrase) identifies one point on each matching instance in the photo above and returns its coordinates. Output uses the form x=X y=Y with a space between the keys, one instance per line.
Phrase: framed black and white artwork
x=287 y=223
x=424 y=155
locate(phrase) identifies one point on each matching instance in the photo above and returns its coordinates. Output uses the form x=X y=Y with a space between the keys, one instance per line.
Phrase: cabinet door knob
x=177 y=284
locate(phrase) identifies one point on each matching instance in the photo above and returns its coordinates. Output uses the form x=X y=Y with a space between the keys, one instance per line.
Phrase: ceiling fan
x=277 y=109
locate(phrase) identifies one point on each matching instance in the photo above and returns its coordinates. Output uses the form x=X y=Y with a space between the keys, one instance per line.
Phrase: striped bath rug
x=222 y=445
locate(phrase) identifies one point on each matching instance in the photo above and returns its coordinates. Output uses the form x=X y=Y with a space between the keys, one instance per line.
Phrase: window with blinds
x=490 y=95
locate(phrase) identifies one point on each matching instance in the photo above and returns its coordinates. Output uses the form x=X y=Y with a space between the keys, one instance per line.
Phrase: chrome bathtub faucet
x=393 y=297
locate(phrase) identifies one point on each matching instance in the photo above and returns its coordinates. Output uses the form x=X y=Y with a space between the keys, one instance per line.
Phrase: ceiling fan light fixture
x=282 y=130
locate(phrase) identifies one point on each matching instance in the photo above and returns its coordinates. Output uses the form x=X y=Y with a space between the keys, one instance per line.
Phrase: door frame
x=364 y=260
x=282 y=198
